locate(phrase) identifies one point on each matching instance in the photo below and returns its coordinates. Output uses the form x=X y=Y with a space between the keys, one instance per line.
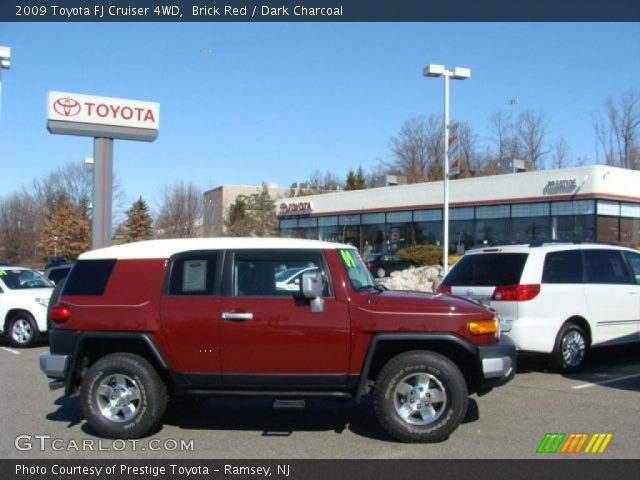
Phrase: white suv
x=24 y=298
x=555 y=298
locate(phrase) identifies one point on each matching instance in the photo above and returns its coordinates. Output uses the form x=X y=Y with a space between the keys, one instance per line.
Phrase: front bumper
x=498 y=365
x=54 y=366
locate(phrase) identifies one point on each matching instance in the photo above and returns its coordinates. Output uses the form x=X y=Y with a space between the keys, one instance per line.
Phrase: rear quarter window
x=487 y=269
x=563 y=267
x=88 y=277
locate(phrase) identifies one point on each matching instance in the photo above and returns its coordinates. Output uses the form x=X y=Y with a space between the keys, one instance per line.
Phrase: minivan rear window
x=88 y=277
x=487 y=269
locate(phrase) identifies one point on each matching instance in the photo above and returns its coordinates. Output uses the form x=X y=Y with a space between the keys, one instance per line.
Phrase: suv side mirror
x=312 y=288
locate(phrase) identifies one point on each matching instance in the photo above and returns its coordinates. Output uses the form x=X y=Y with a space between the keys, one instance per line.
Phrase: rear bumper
x=498 y=365
x=54 y=366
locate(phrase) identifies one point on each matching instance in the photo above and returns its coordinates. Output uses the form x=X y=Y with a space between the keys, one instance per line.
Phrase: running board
x=291 y=404
x=275 y=394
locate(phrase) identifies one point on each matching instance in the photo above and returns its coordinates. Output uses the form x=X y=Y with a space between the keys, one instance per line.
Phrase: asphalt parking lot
x=510 y=422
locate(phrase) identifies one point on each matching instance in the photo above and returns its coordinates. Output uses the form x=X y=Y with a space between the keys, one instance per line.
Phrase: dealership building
x=573 y=204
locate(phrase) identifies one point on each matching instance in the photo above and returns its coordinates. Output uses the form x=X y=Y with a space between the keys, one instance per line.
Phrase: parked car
x=383 y=264
x=289 y=279
x=55 y=261
x=58 y=273
x=554 y=298
x=137 y=323
x=24 y=297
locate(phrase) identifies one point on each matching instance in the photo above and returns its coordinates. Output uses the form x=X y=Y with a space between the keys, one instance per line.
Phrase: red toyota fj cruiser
x=134 y=325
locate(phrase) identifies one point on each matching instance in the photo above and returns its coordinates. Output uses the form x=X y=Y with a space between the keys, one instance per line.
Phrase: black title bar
x=320 y=11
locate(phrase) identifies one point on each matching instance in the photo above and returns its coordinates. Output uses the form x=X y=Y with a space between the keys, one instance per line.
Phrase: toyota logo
x=67 y=107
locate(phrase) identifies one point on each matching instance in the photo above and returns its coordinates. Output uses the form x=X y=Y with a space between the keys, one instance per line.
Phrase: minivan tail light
x=60 y=313
x=516 y=293
x=444 y=288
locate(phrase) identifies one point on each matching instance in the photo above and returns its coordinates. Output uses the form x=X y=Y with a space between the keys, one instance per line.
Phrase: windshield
x=358 y=273
x=16 y=279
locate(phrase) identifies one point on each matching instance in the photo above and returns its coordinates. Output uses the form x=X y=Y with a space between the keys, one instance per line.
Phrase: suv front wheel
x=23 y=330
x=420 y=396
x=570 y=351
x=122 y=396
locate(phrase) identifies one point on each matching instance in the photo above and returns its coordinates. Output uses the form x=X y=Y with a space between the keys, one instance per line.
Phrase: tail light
x=516 y=293
x=60 y=313
x=444 y=288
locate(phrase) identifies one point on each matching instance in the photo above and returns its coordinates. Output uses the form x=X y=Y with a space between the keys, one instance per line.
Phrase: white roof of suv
x=169 y=247
x=544 y=247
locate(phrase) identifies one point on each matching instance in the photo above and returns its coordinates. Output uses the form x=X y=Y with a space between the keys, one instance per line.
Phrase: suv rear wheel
x=420 y=396
x=570 y=351
x=23 y=330
x=122 y=396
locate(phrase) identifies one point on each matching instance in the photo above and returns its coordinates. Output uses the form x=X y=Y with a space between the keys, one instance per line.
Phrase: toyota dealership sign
x=88 y=115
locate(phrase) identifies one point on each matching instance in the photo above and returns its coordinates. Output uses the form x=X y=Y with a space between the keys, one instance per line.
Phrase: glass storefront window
x=608 y=229
x=399 y=235
x=373 y=238
x=461 y=235
x=428 y=233
x=330 y=234
x=630 y=231
x=492 y=231
x=528 y=229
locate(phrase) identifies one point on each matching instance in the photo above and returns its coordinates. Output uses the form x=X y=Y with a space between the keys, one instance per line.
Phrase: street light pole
x=5 y=63
x=458 y=73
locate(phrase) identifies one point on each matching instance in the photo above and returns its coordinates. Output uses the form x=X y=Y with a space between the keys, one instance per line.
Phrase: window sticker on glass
x=194 y=277
x=347 y=258
x=2 y=273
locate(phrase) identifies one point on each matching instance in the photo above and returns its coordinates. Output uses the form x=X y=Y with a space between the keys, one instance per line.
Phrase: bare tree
x=418 y=150
x=532 y=130
x=560 y=154
x=180 y=212
x=504 y=145
x=618 y=131
x=74 y=182
x=20 y=226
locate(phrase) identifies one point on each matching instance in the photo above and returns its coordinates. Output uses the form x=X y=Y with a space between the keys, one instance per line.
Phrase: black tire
x=566 y=362
x=380 y=272
x=451 y=411
x=26 y=333
x=149 y=408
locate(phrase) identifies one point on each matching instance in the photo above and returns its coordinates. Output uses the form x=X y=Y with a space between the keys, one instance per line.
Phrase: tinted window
x=274 y=273
x=633 y=259
x=563 y=267
x=193 y=274
x=58 y=274
x=89 y=277
x=605 y=266
x=487 y=269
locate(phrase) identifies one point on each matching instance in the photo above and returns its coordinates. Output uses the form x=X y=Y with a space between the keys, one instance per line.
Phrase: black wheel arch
x=90 y=346
x=384 y=346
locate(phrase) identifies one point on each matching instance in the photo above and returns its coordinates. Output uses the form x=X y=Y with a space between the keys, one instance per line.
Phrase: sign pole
x=445 y=206
x=102 y=192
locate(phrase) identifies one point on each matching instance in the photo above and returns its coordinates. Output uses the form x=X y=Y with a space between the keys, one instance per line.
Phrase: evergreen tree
x=137 y=226
x=67 y=233
x=253 y=215
x=356 y=180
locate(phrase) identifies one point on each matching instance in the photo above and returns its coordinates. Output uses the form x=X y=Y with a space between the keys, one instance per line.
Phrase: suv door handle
x=237 y=317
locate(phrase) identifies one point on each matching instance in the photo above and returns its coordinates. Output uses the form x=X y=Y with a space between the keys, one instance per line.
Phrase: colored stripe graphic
x=598 y=443
x=573 y=443
x=550 y=442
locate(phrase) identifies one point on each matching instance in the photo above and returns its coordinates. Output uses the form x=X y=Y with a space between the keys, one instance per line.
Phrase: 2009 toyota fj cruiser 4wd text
x=288 y=319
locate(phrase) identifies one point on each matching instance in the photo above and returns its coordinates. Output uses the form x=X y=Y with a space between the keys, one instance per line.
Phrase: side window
x=563 y=267
x=633 y=259
x=274 y=273
x=193 y=274
x=89 y=277
x=606 y=266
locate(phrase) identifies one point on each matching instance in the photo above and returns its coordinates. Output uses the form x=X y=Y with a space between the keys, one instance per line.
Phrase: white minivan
x=555 y=298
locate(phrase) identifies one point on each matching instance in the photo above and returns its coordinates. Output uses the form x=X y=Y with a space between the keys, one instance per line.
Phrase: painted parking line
x=11 y=350
x=604 y=382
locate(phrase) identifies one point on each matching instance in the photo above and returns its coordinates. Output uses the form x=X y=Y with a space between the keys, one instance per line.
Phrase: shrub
x=422 y=254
